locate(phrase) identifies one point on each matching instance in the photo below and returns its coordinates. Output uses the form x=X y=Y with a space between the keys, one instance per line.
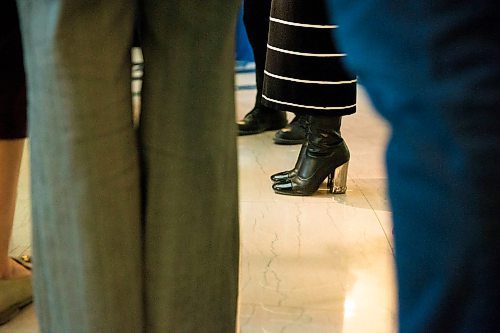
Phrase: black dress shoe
x=294 y=133
x=261 y=119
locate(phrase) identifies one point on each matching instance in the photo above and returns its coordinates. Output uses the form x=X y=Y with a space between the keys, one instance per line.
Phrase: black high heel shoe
x=326 y=156
x=285 y=175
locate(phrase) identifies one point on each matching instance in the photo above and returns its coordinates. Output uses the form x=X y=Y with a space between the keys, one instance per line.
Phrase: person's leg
x=256 y=19
x=84 y=164
x=15 y=279
x=10 y=161
x=190 y=170
x=260 y=118
x=12 y=130
x=430 y=70
x=310 y=79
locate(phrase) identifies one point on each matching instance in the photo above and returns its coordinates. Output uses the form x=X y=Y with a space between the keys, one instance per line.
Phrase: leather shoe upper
x=261 y=119
x=294 y=133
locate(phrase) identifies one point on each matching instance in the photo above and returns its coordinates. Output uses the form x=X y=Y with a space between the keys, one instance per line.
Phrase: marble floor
x=319 y=264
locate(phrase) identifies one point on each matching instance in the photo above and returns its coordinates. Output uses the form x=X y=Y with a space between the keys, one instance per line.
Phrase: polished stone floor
x=319 y=264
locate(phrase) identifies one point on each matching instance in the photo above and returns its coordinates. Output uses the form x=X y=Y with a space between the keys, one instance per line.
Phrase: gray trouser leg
x=86 y=190
x=188 y=140
x=85 y=171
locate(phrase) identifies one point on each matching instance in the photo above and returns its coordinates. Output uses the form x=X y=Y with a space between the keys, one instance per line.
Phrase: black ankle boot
x=285 y=175
x=326 y=156
x=294 y=133
x=261 y=119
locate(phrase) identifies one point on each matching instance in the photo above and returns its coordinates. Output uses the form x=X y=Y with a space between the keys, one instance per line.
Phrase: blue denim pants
x=431 y=68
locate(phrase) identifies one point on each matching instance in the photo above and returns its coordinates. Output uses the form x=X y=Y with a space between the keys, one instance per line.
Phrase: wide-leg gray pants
x=134 y=231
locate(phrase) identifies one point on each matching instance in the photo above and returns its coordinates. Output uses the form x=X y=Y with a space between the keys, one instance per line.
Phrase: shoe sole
x=294 y=194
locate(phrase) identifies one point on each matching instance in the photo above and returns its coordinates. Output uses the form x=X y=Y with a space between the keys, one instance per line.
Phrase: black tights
x=12 y=80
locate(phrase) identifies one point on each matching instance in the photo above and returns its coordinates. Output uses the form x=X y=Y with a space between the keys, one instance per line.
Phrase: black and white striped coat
x=304 y=71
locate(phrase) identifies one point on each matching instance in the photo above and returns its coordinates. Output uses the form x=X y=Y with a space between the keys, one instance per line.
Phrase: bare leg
x=10 y=161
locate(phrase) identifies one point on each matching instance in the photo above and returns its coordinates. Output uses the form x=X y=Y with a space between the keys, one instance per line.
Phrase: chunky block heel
x=337 y=180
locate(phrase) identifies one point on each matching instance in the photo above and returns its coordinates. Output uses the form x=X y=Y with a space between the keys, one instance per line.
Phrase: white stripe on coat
x=310 y=106
x=303 y=25
x=307 y=81
x=324 y=55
